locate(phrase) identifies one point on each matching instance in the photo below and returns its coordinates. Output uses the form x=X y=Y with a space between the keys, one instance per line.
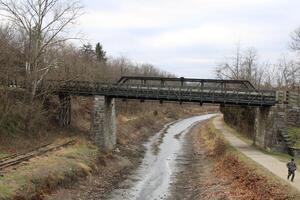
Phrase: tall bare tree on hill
x=43 y=25
x=295 y=36
x=295 y=67
x=287 y=74
x=231 y=69
x=242 y=65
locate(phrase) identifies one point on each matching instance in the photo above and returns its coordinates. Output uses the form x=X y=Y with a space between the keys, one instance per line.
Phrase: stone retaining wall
x=293 y=117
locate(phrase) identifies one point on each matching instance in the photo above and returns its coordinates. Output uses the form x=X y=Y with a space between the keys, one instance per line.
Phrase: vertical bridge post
x=64 y=110
x=103 y=123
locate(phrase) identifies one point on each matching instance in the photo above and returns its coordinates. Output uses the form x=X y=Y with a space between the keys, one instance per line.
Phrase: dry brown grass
x=44 y=173
x=214 y=143
x=245 y=179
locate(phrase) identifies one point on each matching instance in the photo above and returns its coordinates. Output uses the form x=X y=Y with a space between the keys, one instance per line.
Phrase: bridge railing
x=183 y=82
x=288 y=97
x=212 y=93
x=203 y=91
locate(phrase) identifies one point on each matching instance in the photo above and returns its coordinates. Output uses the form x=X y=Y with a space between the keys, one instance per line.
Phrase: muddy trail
x=164 y=169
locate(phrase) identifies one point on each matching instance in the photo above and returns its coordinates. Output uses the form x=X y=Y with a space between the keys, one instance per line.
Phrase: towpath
x=271 y=163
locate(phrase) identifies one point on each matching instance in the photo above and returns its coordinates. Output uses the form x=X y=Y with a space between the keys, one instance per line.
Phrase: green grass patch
x=2 y=154
x=294 y=134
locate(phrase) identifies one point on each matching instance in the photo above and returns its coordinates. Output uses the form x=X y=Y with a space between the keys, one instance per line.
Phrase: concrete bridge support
x=260 y=126
x=64 y=115
x=103 y=123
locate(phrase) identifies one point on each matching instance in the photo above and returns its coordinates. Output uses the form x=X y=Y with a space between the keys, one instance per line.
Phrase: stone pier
x=103 y=123
x=260 y=126
x=64 y=115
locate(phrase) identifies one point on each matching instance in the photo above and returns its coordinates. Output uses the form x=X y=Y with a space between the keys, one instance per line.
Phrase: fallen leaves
x=243 y=181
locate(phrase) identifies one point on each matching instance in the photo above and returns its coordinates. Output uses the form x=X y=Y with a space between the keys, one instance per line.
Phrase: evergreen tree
x=87 y=50
x=100 y=53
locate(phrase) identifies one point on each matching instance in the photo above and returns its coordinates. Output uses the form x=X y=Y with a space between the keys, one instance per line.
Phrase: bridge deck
x=202 y=93
x=237 y=92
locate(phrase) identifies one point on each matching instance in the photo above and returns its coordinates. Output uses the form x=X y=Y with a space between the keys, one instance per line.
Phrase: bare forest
x=46 y=155
x=37 y=44
x=245 y=63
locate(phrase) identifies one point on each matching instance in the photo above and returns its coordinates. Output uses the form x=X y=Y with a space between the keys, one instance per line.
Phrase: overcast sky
x=190 y=37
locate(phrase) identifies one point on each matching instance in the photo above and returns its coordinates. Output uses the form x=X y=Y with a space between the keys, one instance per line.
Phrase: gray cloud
x=189 y=37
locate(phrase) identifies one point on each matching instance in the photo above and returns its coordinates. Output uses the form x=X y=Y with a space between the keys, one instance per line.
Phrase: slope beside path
x=271 y=163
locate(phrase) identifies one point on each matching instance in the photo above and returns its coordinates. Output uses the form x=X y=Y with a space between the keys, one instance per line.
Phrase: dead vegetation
x=244 y=179
x=44 y=173
x=29 y=119
x=134 y=127
x=246 y=182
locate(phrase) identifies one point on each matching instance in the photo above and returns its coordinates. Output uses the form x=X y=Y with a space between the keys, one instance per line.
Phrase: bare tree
x=295 y=36
x=249 y=65
x=270 y=75
x=118 y=67
x=287 y=74
x=231 y=69
x=42 y=24
x=10 y=55
x=295 y=45
x=244 y=65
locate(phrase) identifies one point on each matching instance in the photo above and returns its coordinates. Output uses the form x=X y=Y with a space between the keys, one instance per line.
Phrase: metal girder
x=238 y=92
x=242 y=83
x=217 y=91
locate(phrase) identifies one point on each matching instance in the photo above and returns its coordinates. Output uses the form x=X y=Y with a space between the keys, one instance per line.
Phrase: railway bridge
x=103 y=123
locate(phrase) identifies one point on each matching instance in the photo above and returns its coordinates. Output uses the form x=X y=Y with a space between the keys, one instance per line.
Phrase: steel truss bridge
x=235 y=92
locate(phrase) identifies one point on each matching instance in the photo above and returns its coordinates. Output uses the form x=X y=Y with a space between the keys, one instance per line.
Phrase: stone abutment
x=103 y=123
x=266 y=126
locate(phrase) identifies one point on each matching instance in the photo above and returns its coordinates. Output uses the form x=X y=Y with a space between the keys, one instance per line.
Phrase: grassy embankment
x=46 y=173
x=247 y=179
x=294 y=133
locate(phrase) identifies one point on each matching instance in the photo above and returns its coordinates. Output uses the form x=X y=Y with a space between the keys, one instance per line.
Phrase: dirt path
x=269 y=162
